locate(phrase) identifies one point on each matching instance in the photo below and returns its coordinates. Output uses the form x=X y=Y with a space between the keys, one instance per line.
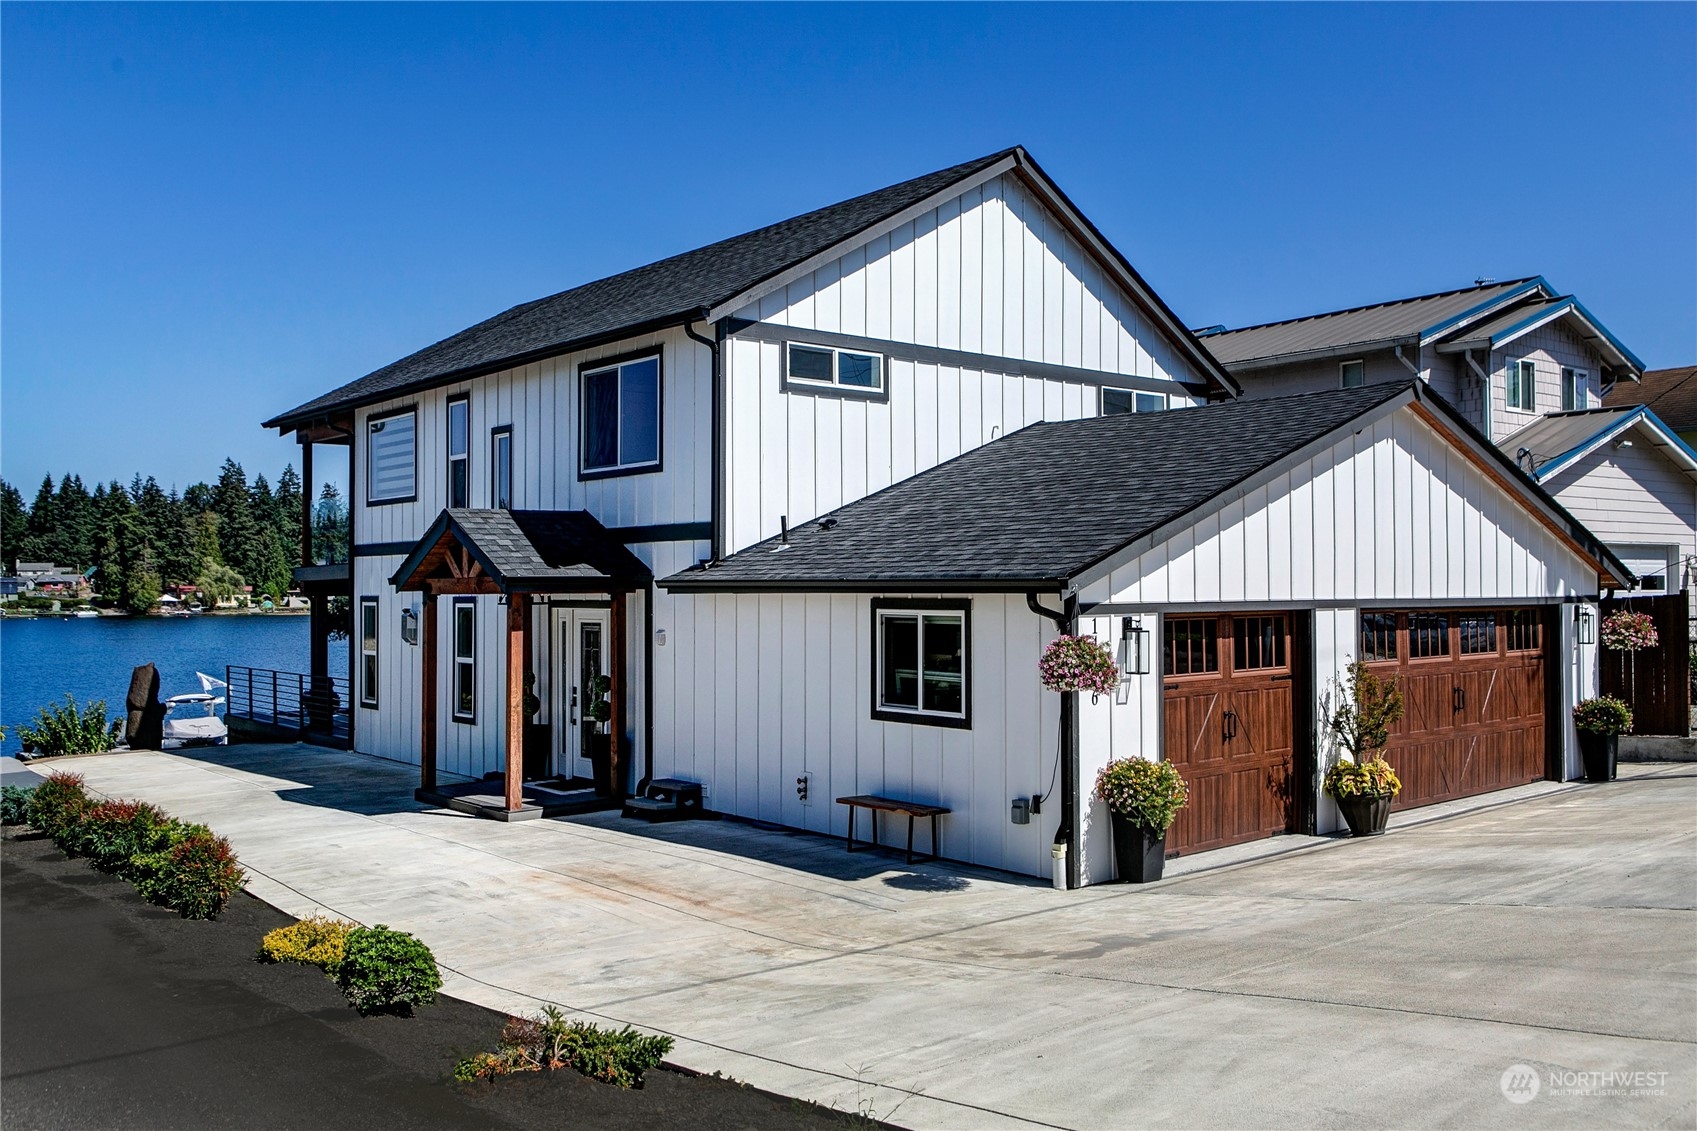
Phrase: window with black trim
x=465 y=659
x=827 y=365
x=920 y=652
x=501 y=467
x=1352 y=374
x=391 y=452
x=368 y=651
x=621 y=416
x=1118 y=401
x=459 y=452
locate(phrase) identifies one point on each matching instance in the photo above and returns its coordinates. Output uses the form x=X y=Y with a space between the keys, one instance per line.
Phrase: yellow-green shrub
x=316 y=940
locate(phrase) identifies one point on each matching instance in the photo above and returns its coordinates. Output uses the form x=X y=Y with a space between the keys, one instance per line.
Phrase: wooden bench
x=876 y=805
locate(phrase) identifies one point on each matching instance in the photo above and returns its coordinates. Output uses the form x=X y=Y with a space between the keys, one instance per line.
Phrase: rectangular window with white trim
x=1521 y=385
x=1573 y=389
x=829 y=367
x=391 y=458
x=921 y=651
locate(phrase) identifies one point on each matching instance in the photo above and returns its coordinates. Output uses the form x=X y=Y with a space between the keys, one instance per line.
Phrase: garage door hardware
x=1458 y=698
x=1230 y=720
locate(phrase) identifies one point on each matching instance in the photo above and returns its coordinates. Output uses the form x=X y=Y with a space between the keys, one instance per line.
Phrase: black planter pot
x=1598 y=752
x=1366 y=816
x=601 y=763
x=1139 y=853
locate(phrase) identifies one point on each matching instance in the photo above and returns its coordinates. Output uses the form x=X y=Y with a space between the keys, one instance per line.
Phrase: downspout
x=1486 y=392
x=1407 y=364
x=715 y=513
x=647 y=691
x=1067 y=834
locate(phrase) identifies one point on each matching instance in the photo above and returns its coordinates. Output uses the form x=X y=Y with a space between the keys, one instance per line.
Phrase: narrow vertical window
x=465 y=660
x=501 y=468
x=1520 y=390
x=1352 y=374
x=459 y=452
x=368 y=651
x=1572 y=389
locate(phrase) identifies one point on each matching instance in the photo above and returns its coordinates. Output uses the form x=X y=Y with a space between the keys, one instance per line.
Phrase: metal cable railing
x=314 y=709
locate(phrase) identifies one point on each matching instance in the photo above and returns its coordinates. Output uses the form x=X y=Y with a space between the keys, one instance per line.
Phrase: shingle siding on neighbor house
x=1630 y=496
x=1550 y=347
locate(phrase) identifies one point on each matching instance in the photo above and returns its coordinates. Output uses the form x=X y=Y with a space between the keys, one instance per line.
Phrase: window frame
x=370 y=479
x=456 y=661
x=587 y=369
x=1135 y=395
x=834 y=386
x=1573 y=381
x=369 y=680
x=1520 y=378
x=883 y=607
x=463 y=401
x=1343 y=383
x=500 y=436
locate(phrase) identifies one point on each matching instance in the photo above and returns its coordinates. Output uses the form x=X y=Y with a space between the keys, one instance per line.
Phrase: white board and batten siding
x=1390 y=514
x=541 y=403
x=990 y=272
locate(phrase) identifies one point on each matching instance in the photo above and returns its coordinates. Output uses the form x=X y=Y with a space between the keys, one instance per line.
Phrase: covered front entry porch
x=564 y=587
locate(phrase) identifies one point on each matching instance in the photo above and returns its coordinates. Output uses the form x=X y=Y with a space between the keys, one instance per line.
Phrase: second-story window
x=823 y=365
x=389 y=459
x=459 y=452
x=1116 y=401
x=1521 y=380
x=1572 y=389
x=621 y=416
x=501 y=467
x=1352 y=374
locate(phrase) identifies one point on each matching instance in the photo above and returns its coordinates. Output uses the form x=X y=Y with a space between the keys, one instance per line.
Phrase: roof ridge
x=1372 y=306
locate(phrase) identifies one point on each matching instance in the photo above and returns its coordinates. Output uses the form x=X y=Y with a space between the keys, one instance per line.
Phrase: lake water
x=42 y=659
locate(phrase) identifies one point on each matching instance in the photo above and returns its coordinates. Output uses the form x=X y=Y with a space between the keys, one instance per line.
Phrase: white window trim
x=1361 y=361
x=616 y=366
x=1526 y=384
x=367 y=686
x=1581 y=378
x=898 y=712
x=458 y=661
x=834 y=383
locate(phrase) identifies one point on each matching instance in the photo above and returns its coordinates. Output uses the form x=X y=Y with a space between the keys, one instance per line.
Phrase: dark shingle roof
x=1040 y=505
x=1670 y=393
x=1359 y=326
x=660 y=294
x=532 y=550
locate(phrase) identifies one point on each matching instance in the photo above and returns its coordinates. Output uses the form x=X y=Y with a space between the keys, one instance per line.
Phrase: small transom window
x=826 y=365
x=1117 y=401
x=1352 y=374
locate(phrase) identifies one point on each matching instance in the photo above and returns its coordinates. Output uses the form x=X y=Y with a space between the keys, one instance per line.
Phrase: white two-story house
x=812 y=499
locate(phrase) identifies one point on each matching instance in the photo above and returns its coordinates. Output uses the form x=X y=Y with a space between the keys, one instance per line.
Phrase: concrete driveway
x=1387 y=982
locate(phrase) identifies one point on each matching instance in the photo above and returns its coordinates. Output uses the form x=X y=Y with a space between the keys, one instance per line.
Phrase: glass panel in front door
x=589 y=666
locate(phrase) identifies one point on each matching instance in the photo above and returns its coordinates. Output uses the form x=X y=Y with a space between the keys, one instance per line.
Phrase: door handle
x=1458 y=698
x=574 y=708
x=1230 y=720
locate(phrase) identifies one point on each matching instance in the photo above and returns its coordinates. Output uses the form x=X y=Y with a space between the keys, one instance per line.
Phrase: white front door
x=583 y=647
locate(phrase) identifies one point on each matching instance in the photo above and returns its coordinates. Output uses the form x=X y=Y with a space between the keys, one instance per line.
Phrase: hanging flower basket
x=1078 y=663
x=1629 y=632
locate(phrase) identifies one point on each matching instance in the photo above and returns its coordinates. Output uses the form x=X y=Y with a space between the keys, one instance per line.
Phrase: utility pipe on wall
x=1066 y=847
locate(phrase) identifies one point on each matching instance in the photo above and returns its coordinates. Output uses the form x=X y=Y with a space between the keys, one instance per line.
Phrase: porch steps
x=486 y=799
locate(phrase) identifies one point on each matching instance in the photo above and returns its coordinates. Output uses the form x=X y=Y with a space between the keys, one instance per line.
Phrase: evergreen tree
x=273 y=577
x=41 y=541
x=14 y=524
x=329 y=527
x=238 y=529
x=204 y=549
x=177 y=562
x=288 y=500
x=79 y=524
x=158 y=522
x=198 y=497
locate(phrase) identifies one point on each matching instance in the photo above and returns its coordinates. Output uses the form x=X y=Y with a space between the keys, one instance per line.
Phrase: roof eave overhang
x=1665 y=439
x=1478 y=313
x=297 y=418
x=698 y=581
x=1595 y=334
x=1325 y=353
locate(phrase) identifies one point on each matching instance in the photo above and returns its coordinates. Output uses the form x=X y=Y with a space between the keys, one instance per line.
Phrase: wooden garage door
x=1229 y=726
x=1473 y=695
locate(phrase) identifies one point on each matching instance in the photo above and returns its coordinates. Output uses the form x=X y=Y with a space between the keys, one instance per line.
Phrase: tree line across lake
x=139 y=539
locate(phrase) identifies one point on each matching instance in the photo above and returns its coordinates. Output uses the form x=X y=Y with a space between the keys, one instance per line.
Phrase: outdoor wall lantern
x=1587 y=625
x=1134 y=647
x=409 y=625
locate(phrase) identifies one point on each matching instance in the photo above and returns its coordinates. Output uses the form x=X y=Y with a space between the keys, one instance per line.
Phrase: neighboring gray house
x=1527 y=366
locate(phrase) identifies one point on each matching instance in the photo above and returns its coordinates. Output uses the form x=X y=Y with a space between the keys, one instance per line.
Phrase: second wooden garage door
x=1473 y=694
x=1229 y=726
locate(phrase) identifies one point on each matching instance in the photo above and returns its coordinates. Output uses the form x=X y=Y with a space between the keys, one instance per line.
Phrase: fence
x=1656 y=681
x=290 y=704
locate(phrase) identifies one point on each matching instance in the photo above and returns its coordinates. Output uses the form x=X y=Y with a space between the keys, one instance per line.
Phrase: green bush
x=387 y=971
x=1605 y=714
x=195 y=876
x=57 y=807
x=314 y=941
x=68 y=730
x=113 y=832
x=548 y=1040
x=1149 y=794
x=14 y=805
x=1372 y=778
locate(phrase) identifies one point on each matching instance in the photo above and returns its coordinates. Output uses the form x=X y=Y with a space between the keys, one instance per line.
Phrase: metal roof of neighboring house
x=1556 y=441
x=1040 y=508
x=544 y=551
x=682 y=289
x=1523 y=317
x=1670 y=393
x=1381 y=324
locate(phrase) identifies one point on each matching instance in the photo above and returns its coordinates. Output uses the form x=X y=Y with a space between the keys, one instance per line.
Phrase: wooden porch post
x=518 y=629
x=427 y=696
x=616 y=694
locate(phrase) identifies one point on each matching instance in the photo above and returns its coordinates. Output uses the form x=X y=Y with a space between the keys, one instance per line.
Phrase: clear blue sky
x=211 y=214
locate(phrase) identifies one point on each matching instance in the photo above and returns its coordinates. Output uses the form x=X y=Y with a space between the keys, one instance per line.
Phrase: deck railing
x=292 y=703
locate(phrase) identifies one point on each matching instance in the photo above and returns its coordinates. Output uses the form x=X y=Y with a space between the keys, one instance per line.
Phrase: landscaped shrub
x=57 y=806
x=195 y=876
x=530 y=1044
x=385 y=970
x=68 y=730
x=14 y=805
x=113 y=832
x=314 y=941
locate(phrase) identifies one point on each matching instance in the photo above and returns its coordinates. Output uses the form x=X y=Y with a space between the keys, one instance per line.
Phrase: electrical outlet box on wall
x=804 y=787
